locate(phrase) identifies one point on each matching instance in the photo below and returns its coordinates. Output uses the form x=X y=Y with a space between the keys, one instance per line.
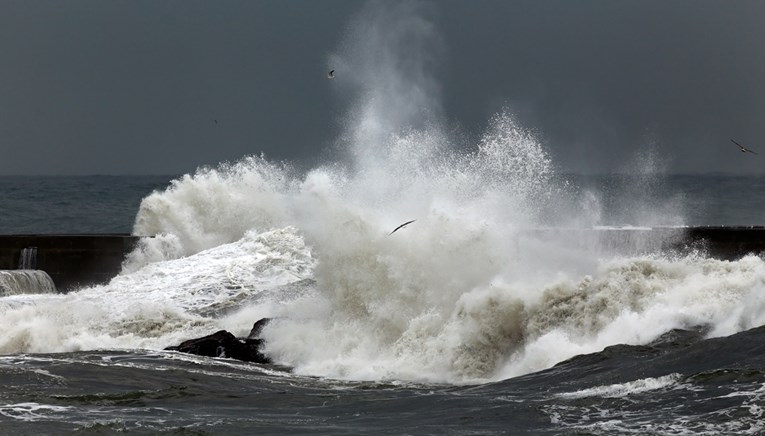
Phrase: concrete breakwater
x=74 y=261
x=719 y=242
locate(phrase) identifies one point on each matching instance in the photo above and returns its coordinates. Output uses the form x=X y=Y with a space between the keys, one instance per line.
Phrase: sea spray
x=164 y=302
x=388 y=59
x=466 y=293
x=214 y=206
x=25 y=281
x=450 y=298
x=447 y=299
x=503 y=330
x=635 y=300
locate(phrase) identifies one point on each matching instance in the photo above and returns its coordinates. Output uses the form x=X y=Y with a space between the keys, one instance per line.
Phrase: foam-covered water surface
x=495 y=306
x=467 y=292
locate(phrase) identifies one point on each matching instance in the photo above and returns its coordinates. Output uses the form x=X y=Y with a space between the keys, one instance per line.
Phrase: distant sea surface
x=73 y=204
x=445 y=327
x=108 y=204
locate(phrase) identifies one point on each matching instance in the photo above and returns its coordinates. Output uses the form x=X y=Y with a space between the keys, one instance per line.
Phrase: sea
x=462 y=322
x=500 y=308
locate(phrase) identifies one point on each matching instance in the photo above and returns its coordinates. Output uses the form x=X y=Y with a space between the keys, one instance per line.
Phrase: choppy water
x=677 y=384
x=462 y=322
x=441 y=328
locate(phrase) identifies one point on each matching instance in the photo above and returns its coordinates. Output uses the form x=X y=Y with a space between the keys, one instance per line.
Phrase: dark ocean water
x=70 y=205
x=697 y=378
x=679 y=384
x=694 y=200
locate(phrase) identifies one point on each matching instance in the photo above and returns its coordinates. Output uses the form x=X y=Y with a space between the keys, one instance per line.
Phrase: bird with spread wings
x=742 y=148
x=401 y=226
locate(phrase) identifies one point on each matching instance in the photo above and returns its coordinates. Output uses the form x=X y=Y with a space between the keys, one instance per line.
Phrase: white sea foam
x=25 y=281
x=740 y=417
x=31 y=411
x=468 y=292
x=213 y=207
x=160 y=304
x=624 y=389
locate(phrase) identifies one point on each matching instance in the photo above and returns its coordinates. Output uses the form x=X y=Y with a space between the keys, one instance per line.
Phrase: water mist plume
x=468 y=293
x=379 y=296
x=388 y=57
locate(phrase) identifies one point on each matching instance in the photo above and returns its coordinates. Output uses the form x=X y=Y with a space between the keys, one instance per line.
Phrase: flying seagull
x=401 y=226
x=743 y=149
x=331 y=74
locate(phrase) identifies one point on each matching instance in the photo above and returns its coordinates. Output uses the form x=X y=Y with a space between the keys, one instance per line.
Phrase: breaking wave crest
x=464 y=293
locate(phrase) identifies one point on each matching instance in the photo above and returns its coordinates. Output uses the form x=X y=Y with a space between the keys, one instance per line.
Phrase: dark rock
x=257 y=328
x=224 y=344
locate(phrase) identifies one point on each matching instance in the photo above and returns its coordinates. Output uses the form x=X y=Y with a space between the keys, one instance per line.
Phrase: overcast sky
x=163 y=87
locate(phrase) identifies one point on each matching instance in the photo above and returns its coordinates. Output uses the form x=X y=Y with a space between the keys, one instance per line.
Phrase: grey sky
x=134 y=87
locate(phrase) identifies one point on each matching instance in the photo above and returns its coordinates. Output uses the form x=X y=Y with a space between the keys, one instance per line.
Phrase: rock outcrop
x=225 y=344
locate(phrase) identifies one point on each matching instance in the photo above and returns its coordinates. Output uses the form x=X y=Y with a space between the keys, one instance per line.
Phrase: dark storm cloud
x=601 y=80
x=137 y=86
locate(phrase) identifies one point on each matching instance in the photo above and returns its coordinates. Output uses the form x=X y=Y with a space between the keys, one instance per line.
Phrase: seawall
x=726 y=243
x=72 y=261
x=720 y=242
